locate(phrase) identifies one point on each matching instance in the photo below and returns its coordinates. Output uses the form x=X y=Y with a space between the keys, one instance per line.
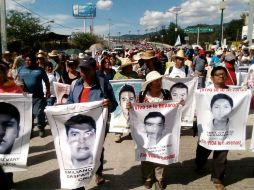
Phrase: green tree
x=83 y=40
x=233 y=29
x=23 y=27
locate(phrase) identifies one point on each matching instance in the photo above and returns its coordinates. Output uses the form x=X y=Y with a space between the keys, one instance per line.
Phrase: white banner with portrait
x=125 y=91
x=62 y=92
x=155 y=128
x=78 y=131
x=15 y=130
x=183 y=88
x=222 y=117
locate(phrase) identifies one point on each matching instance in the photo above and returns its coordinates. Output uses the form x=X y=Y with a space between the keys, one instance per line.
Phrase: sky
x=129 y=16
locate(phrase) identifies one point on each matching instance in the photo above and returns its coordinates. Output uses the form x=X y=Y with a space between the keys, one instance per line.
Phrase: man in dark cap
x=91 y=87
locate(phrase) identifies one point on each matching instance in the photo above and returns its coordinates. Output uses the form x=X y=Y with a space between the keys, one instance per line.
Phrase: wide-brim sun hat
x=53 y=53
x=126 y=62
x=150 y=77
x=148 y=54
x=180 y=55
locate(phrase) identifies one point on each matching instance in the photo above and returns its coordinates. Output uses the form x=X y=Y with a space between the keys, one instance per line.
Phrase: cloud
x=60 y=18
x=195 y=12
x=11 y=5
x=104 y=4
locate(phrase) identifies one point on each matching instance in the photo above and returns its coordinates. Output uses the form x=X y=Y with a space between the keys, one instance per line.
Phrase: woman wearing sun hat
x=126 y=70
x=152 y=92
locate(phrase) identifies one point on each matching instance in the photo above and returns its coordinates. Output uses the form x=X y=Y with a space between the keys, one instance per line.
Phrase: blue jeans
x=39 y=105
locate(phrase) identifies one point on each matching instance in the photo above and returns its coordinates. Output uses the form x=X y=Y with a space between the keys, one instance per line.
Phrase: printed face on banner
x=221 y=109
x=9 y=127
x=81 y=135
x=178 y=92
x=154 y=125
x=125 y=98
x=8 y=133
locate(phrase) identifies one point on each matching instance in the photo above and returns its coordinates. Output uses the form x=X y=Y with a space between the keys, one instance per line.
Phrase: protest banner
x=15 y=129
x=222 y=117
x=252 y=140
x=155 y=128
x=78 y=131
x=183 y=88
x=125 y=91
x=62 y=92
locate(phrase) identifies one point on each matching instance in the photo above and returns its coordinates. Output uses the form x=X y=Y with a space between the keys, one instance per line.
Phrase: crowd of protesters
x=34 y=73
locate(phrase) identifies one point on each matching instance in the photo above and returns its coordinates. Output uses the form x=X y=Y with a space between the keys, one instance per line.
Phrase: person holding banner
x=91 y=87
x=218 y=76
x=152 y=92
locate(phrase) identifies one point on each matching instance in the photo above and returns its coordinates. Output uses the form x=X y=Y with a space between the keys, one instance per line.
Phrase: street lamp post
x=222 y=7
x=119 y=33
x=109 y=33
x=176 y=10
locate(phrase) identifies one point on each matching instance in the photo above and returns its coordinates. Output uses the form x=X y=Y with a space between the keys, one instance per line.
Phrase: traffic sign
x=201 y=30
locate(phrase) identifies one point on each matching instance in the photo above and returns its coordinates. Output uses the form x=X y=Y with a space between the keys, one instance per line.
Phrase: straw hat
x=126 y=61
x=150 y=77
x=40 y=54
x=179 y=54
x=53 y=53
x=148 y=54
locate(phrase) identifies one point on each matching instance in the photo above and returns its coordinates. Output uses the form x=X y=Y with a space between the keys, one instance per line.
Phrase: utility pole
x=222 y=7
x=109 y=33
x=250 y=23
x=3 y=26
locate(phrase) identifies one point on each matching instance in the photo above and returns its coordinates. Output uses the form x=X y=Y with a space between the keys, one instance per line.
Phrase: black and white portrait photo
x=81 y=134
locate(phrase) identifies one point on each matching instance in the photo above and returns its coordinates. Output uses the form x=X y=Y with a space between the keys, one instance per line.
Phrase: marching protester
x=151 y=62
x=91 y=87
x=106 y=70
x=179 y=69
x=32 y=77
x=71 y=73
x=218 y=76
x=229 y=63
x=126 y=70
x=7 y=85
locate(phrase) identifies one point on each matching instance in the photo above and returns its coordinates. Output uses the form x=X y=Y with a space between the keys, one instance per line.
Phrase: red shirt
x=85 y=94
x=10 y=87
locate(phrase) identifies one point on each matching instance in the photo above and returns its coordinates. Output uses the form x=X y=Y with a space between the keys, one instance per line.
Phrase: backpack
x=165 y=93
x=186 y=69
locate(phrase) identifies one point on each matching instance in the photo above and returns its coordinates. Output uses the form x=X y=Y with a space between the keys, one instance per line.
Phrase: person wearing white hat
x=152 y=92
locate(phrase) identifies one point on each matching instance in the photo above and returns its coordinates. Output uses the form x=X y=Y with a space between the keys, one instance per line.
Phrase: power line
x=41 y=15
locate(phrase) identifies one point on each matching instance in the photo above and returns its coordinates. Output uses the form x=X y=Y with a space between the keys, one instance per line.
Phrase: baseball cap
x=87 y=62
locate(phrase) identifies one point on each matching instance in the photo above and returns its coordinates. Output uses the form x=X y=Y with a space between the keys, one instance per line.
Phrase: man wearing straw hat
x=151 y=62
x=179 y=69
x=126 y=70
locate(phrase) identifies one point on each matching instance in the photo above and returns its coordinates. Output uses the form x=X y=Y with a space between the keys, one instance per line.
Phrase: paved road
x=123 y=173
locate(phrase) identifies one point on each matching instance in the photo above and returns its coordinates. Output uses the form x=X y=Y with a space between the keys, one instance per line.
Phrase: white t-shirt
x=176 y=72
